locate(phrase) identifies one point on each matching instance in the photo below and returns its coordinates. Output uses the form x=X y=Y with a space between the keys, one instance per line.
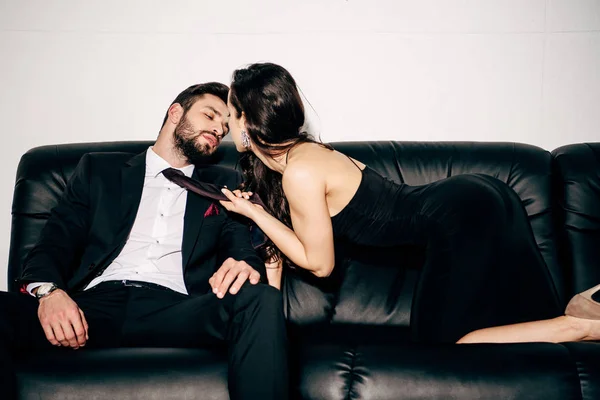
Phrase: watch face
x=44 y=289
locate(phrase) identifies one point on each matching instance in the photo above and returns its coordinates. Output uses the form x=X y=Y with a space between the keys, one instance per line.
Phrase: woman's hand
x=239 y=203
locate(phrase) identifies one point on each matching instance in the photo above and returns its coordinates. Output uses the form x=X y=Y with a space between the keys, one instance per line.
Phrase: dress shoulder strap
x=351 y=159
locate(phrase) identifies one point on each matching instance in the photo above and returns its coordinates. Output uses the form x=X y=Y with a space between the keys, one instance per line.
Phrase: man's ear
x=175 y=113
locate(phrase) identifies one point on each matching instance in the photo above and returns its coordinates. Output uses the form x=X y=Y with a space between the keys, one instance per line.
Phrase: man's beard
x=185 y=139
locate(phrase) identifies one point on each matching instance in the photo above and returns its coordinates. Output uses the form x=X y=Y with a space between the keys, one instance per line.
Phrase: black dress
x=482 y=266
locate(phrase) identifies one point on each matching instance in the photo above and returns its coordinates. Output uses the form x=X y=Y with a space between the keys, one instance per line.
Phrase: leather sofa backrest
x=576 y=172
x=373 y=290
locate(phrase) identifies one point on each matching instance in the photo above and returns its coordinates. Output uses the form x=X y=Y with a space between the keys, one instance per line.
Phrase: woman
x=473 y=227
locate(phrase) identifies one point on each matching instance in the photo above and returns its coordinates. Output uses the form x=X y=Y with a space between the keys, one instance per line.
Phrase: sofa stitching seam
x=577 y=368
x=353 y=354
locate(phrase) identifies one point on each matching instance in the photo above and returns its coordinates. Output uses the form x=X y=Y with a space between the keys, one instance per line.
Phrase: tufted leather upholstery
x=349 y=333
x=577 y=180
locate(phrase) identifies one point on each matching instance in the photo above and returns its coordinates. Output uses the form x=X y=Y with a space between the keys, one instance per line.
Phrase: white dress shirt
x=152 y=252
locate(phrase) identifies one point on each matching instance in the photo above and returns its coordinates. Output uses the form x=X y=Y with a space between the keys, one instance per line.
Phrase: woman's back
x=379 y=214
x=340 y=174
x=365 y=207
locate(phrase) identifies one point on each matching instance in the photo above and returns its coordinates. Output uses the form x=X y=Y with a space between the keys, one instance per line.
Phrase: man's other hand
x=62 y=320
x=231 y=276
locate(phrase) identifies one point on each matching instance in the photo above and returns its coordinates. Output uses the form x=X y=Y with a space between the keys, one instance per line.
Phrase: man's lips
x=211 y=139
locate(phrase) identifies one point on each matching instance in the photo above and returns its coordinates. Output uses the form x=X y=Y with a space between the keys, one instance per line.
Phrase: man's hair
x=189 y=96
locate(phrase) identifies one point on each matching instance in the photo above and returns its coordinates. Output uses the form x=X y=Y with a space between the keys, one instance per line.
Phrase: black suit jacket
x=88 y=228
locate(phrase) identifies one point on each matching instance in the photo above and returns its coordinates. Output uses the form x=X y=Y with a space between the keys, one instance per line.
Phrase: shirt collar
x=155 y=165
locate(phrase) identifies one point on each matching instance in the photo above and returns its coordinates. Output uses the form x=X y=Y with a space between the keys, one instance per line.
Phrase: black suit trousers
x=249 y=325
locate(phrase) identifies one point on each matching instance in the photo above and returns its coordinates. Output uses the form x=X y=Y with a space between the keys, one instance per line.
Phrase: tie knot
x=171 y=173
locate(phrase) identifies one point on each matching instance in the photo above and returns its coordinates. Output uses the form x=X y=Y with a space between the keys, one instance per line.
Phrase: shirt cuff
x=32 y=286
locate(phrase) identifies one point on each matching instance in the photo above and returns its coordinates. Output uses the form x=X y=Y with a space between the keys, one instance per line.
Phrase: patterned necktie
x=204 y=189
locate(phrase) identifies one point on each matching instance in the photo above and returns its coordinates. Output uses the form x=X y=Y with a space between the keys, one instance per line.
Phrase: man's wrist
x=46 y=297
x=45 y=290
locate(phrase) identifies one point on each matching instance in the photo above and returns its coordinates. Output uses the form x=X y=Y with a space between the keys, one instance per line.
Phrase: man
x=129 y=258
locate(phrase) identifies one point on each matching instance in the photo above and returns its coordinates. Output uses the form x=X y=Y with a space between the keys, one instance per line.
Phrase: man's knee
x=13 y=307
x=16 y=304
x=262 y=296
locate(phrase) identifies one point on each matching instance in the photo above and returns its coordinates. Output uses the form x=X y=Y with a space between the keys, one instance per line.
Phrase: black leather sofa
x=349 y=333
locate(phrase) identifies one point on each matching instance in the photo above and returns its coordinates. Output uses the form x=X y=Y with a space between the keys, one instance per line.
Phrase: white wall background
x=507 y=70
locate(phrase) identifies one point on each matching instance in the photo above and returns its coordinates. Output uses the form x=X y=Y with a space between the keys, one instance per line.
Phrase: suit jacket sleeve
x=62 y=238
x=235 y=241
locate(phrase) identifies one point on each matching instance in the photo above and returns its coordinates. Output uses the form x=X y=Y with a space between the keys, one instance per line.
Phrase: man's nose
x=218 y=132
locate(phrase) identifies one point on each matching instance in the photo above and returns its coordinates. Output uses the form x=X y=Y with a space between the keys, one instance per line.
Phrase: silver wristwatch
x=45 y=289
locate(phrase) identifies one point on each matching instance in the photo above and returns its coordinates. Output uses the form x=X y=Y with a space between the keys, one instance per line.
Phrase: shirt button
x=168 y=188
x=158 y=241
x=162 y=215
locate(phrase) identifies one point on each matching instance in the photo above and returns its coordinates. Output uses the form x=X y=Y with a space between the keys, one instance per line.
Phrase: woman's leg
x=556 y=330
x=483 y=267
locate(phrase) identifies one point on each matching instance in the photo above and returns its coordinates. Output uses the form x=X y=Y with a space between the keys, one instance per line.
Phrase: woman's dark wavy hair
x=269 y=98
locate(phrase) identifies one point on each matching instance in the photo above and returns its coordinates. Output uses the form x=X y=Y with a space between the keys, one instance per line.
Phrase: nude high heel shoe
x=585 y=304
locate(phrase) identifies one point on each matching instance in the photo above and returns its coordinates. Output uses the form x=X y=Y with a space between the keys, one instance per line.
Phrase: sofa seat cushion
x=125 y=374
x=482 y=371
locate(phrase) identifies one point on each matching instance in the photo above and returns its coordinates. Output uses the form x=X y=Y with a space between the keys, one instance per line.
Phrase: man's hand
x=62 y=320
x=232 y=276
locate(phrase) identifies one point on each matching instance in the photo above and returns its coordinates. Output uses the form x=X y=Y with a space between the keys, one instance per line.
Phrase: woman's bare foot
x=583 y=311
x=588 y=328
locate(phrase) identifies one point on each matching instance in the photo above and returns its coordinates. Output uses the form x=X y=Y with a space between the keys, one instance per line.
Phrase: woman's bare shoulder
x=308 y=164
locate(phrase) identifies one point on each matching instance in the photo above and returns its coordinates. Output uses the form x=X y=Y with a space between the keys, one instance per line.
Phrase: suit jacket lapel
x=192 y=221
x=132 y=183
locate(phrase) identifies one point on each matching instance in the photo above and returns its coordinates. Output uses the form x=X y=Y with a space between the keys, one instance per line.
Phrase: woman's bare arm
x=310 y=244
